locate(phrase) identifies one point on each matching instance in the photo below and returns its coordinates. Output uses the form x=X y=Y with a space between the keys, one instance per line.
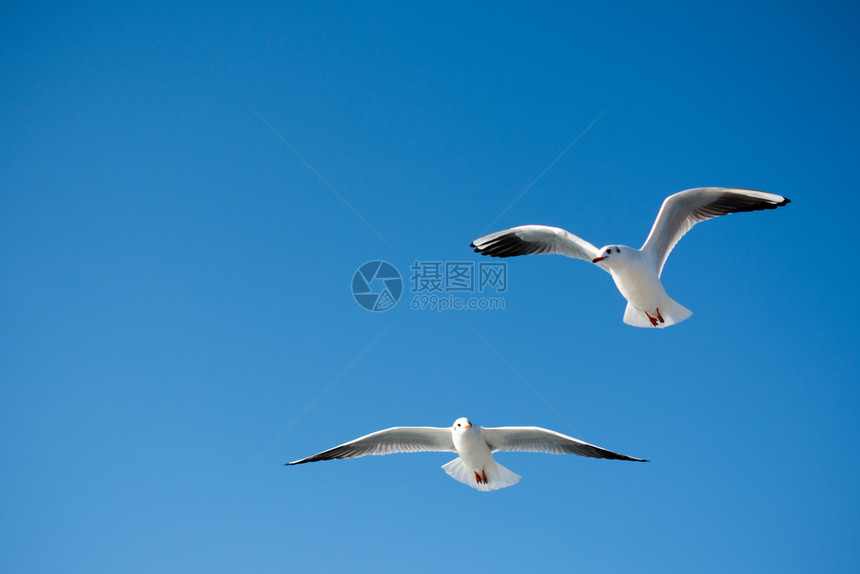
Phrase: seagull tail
x=671 y=311
x=497 y=475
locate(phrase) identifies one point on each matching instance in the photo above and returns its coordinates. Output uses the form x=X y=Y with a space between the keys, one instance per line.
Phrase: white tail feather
x=497 y=475
x=671 y=311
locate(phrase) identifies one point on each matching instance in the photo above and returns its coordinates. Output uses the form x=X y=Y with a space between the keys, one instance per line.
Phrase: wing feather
x=390 y=441
x=536 y=439
x=681 y=211
x=534 y=239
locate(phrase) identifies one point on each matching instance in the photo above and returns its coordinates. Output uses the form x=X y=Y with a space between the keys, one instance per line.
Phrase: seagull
x=636 y=272
x=475 y=446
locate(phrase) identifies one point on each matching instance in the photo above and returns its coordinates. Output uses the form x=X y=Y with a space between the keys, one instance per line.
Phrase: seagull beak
x=468 y=426
x=597 y=259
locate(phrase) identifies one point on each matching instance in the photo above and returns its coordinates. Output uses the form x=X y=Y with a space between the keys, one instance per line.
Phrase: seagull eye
x=608 y=251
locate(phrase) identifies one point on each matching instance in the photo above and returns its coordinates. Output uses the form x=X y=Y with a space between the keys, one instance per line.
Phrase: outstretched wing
x=681 y=211
x=390 y=441
x=534 y=239
x=536 y=439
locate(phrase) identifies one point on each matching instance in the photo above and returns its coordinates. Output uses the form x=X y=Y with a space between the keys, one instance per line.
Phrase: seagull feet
x=655 y=320
x=480 y=478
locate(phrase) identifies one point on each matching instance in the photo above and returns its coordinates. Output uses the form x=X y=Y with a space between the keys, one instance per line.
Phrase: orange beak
x=468 y=426
x=596 y=259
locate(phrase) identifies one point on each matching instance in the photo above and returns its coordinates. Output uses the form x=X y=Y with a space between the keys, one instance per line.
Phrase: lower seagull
x=475 y=446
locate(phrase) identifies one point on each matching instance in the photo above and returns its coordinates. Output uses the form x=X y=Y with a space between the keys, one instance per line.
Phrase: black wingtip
x=785 y=201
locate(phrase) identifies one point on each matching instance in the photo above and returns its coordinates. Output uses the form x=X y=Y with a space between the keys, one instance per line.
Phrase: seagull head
x=611 y=253
x=462 y=424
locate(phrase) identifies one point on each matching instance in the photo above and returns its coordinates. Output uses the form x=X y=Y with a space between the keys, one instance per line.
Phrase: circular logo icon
x=377 y=286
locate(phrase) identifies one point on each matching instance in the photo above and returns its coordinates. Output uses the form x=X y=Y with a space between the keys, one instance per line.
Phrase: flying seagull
x=475 y=446
x=636 y=272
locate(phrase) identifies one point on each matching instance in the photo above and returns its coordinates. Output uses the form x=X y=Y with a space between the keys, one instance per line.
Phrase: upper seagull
x=475 y=445
x=636 y=272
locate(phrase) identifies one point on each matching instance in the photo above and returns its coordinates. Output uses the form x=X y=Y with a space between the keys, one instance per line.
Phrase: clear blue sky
x=175 y=285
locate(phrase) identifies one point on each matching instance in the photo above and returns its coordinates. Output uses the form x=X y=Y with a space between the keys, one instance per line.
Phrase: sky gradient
x=187 y=193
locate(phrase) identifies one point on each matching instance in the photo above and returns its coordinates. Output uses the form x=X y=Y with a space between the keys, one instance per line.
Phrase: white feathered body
x=476 y=458
x=635 y=276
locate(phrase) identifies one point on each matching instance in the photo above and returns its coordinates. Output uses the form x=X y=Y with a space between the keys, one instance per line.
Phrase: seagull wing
x=536 y=439
x=529 y=239
x=390 y=441
x=681 y=211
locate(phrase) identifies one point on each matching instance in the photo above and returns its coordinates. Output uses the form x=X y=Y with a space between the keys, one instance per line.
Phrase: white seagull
x=636 y=272
x=475 y=445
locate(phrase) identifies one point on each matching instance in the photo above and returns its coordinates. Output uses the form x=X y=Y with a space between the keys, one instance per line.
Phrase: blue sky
x=177 y=256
